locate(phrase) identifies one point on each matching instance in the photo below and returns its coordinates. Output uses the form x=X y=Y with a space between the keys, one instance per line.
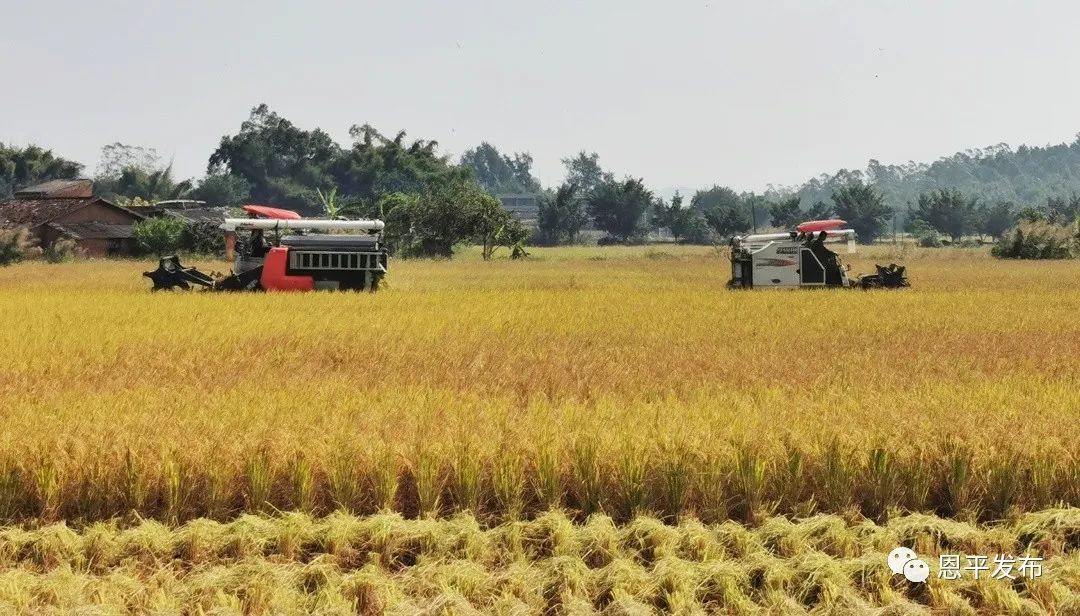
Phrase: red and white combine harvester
x=801 y=259
x=270 y=261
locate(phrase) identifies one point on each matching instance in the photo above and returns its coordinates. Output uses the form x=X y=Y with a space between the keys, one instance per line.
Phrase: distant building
x=68 y=209
x=525 y=208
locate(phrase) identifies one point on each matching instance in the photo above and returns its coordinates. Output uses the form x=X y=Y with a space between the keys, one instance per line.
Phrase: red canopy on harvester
x=820 y=225
x=276 y=213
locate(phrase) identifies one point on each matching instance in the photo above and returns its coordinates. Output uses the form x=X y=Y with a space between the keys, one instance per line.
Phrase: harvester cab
x=296 y=261
x=801 y=259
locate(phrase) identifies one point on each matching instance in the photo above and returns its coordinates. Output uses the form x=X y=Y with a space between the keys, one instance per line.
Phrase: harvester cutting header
x=800 y=259
x=295 y=262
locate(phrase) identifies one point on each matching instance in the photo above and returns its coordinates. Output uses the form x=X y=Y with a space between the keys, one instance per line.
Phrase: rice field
x=600 y=391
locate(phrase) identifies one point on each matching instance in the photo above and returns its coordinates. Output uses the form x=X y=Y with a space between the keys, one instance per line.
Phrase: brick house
x=68 y=209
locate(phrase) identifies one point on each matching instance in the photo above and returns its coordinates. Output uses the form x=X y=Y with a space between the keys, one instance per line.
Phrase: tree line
x=431 y=203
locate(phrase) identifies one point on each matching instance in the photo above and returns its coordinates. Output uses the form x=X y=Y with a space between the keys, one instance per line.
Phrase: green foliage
x=725 y=211
x=561 y=215
x=499 y=173
x=996 y=220
x=285 y=165
x=512 y=234
x=223 y=190
x=685 y=223
x=489 y=223
x=21 y=167
x=786 y=213
x=1036 y=240
x=1032 y=214
x=925 y=235
x=994 y=174
x=619 y=208
x=331 y=206
x=820 y=210
x=863 y=207
x=431 y=224
x=128 y=172
x=1061 y=210
x=162 y=235
x=584 y=171
x=16 y=244
x=203 y=237
x=148 y=184
x=946 y=211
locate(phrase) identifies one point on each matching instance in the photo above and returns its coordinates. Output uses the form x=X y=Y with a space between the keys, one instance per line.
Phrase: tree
x=161 y=235
x=863 y=207
x=992 y=174
x=332 y=207
x=116 y=157
x=499 y=173
x=22 y=167
x=488 y=221
x=561 y=215
x=820 y=210
x=146 y=184
x=584 y=171
x=619 y=208
x=282 y=163
x=376 y=165
x=432 y=223
x=285 y=165
x=786 y=214
x=724 y=210
x=946 y=211
x=995 y=221
x=222 y=189
x=1062 y=210
x=685 y=223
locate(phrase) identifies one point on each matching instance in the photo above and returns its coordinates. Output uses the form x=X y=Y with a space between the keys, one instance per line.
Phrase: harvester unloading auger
x=291 y=262
x=799 y=258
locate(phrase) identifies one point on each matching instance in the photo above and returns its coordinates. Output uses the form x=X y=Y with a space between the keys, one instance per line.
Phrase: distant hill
x=1024 y=176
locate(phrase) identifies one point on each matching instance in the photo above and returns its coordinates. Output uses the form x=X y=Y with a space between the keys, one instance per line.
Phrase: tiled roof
x=94 y=230
x=34 y=212
x=57 y=189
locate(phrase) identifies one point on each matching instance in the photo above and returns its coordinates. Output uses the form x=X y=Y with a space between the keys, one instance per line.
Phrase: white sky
x=681 y=93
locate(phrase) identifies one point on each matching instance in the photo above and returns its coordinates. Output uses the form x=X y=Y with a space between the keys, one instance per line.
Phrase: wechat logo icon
x=904 y=561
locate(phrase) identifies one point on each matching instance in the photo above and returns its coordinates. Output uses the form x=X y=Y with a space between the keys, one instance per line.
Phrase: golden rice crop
x=340 y=564
x=613 y=380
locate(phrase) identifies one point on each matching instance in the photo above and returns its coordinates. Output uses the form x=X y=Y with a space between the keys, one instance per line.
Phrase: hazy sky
x=680 y=93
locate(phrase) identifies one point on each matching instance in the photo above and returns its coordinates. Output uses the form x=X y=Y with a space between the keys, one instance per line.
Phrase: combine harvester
x=800 y=259
x=295 y=262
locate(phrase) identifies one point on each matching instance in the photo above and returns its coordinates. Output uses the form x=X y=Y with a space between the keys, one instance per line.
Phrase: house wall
x=93 y=248
x=97 y=212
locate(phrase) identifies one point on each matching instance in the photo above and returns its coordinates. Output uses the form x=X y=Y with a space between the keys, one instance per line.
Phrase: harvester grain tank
x=331 y=258
x=800 y=258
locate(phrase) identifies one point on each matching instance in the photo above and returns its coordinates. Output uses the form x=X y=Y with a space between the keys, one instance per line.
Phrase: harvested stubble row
x=384 y=563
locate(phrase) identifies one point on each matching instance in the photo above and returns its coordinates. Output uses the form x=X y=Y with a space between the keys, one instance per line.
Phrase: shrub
x=61 y=251
x=1036 y=240
x=930 y=239
x=203 y=237
x=17 y=244
x=161 y=236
